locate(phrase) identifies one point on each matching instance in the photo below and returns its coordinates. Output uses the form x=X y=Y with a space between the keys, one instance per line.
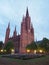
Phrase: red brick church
x=26 y=36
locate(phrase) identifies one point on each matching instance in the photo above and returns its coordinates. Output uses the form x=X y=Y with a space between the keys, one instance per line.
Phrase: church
x=26 y=36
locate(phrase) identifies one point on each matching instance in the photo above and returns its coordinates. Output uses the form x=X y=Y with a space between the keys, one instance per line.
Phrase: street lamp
x=1 y=50
x=35 y=51
x=40 y=51
x=12 y=51
x=28 y=50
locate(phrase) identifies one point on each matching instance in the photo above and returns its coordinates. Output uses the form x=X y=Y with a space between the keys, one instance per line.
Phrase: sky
x=13 y=10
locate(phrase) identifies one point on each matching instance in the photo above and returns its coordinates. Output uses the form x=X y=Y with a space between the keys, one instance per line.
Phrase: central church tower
x=27 y=32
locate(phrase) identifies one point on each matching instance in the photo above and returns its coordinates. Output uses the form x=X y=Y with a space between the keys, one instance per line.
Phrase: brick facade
x=27 y=32
x=26 y=36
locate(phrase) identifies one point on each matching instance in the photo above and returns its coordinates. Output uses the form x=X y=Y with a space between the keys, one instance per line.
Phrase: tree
x=1 y=45
x=44 y=44
x=32 y=46
x=9 y=46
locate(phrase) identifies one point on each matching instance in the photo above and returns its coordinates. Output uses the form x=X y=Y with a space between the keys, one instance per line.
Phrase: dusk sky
x=13 y=10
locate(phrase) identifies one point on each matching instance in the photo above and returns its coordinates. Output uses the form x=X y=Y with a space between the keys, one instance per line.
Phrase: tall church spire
x=27 y=13
x=15 y=33
x=27 y=33
x=7 y=33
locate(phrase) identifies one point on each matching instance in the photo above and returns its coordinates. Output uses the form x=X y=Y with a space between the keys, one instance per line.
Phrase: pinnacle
x=27 y=13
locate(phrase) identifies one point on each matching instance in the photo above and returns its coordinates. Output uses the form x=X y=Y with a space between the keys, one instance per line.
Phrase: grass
x=37 y=61
x=42 y=60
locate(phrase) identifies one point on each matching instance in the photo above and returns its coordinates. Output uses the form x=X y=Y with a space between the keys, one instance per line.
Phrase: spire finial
x=15 y=28
x=8 y=24
x=27 y=13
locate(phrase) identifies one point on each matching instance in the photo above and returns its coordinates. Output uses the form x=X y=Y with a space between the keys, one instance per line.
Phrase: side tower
x=27 y=32
x=16 y=41
x=7 y=34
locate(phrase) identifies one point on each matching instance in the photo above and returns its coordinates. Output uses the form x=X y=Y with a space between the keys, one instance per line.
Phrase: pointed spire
x=7 y=33
x=15 y=33
x=9 y=25
x=15 y=28
x=27 y=13
x=23 y=18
